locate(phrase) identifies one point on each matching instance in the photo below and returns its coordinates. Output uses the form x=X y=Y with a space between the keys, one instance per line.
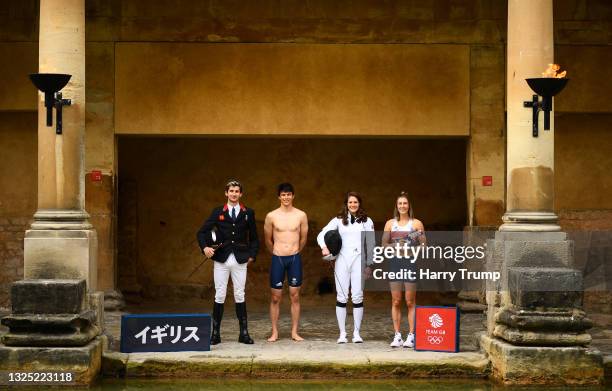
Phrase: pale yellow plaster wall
x=292 y=89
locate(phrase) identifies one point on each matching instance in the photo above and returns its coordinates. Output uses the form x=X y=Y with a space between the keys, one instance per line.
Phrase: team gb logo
x=436 y=321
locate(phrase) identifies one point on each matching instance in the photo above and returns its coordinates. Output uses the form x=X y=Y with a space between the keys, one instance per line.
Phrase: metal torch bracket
x=59 y=103
x=535 y=105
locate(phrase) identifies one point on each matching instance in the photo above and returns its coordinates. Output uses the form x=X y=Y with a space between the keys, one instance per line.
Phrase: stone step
x=469 y=342
x=286 y=359
x=471 y=307
x=608 y=370
x=48 y=296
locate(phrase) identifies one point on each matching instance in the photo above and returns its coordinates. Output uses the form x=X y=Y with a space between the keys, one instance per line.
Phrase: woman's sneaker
x=397 y=341
x=342 y=338
x=357 y=338
x=409 y=343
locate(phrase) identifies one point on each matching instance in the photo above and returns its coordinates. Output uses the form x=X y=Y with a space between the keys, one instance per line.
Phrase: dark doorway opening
x=168 y=185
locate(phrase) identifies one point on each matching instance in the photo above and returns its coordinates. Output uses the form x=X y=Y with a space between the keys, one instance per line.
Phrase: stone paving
x=318 y=356
x=602 y=333
x=317 y=323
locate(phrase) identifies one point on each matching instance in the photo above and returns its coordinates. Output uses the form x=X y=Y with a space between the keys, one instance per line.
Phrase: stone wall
x=583 y=31
x=17 y=193
x=11 y=253
x=583 y=200
x=591 y=230
x=18 y=141
x=486 y=149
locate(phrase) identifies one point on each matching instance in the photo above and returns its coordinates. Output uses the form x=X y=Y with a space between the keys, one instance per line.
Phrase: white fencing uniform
x=348 y=266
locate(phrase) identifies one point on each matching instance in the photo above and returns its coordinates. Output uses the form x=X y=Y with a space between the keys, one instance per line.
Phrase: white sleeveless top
x=399 y=232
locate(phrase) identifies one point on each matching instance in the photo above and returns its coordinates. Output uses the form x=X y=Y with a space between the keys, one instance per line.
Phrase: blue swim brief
x=290 y=265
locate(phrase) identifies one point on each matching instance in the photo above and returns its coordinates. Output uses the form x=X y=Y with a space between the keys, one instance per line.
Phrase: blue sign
x=165 y=332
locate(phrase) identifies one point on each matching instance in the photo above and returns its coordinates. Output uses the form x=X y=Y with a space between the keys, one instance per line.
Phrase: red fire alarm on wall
x=487 y=180
x=96 y=176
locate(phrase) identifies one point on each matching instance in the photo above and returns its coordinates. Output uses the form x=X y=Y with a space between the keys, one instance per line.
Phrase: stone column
x=61 y=242
x=536 y=329
x=530 y=160
x=55 y=323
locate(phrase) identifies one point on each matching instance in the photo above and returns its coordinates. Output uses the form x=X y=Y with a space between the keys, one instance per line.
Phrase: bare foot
x=273 y=337
x=296 y=337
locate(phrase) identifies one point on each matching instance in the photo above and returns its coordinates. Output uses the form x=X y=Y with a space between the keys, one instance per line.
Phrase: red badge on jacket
x=221 y=217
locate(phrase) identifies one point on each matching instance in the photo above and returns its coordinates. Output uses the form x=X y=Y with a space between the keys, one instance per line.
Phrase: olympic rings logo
x=435 y=340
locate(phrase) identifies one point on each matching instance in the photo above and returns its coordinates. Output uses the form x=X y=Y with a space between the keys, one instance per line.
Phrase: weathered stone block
x=50 y=329
x=113 y=301
x=573 y=320
x=48 y=296
x=49 y=323
x=541 y=338
x=494 y=262
x=531 y=236
x=493 y=302
x=83 y=363
x=608 y=369
x=114 y=364
x=67 y=254
x=96 y=303
x=529 y=365
x=46 y=339
x=545 y=287
x=471 y=307
x=539 y=254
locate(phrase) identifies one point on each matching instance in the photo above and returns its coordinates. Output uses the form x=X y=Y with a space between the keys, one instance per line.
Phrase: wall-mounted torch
x=547 y=86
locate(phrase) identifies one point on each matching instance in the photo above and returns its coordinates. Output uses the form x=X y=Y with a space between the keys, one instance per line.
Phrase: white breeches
x=222 y=272
x=348 y=277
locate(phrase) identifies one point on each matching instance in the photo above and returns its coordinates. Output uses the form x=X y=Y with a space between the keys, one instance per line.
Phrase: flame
x=552 y=70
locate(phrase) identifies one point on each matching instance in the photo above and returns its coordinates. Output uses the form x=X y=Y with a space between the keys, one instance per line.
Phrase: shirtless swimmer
x=285 y=231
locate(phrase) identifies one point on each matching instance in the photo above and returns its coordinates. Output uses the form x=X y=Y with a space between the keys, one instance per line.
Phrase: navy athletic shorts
x=402 y=266
x=290 y=265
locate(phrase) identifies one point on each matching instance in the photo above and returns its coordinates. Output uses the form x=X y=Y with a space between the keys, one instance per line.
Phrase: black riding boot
x=215 y=335
x=241 y=313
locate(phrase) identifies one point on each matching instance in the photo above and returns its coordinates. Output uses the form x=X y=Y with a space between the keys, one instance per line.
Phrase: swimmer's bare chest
x=286 y=234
